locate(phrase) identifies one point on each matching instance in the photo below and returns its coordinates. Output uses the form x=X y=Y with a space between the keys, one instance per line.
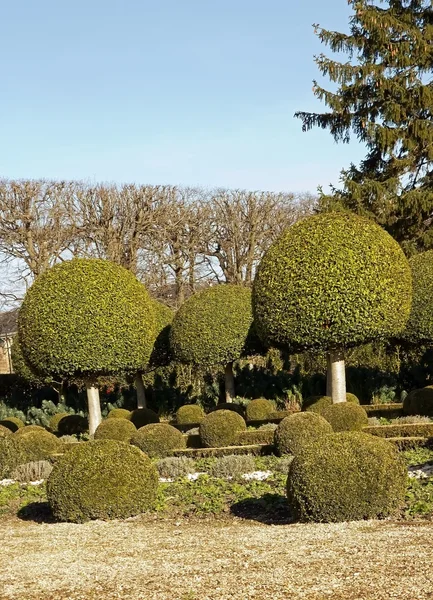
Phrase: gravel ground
x=215 y=560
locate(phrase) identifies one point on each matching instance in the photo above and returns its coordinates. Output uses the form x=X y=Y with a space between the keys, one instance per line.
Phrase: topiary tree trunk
x=94 y=405
x=141 y=394
x=336 y=377
x=229 y=382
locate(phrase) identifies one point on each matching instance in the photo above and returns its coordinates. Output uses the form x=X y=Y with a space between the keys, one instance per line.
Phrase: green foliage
x=419 y=328
x=119 y=413
x=12 y=423
x=401 y=430
x=34 y=446
x=213 y=326
x=143 y=416
x=72 y=425
x=55 y=420
x=4 y=431
x=158 y=440
x=221 y=428
x=16 y=497
x=115 y=429
x=22 y=367
x=419 y=498
x=255 y=436
x=332 y=280
x=104 y=479
x=161 y=351
x=27 y=429
x=299 y=429
x=347 y=477
x=259 y=409
x=319 y=403
x=189 y=413
x=232 y=466
x=86 y=317
x=419 y=402
x=345 y=416
x=417 y=456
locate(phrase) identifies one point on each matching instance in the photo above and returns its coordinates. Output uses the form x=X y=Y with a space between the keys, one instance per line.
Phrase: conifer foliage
x=384 y=97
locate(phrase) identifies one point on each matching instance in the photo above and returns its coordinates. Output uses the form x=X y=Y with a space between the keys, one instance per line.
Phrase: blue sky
x=193 y=92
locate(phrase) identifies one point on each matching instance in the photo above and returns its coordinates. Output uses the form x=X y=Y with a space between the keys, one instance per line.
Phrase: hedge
x=260 y=436
x=255 y=450
x=419 y=328
x=389 y=411
x=404 y=430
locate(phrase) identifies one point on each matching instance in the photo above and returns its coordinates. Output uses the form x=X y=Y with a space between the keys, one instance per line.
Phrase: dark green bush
x=158 y=440
x=12 y=423
x=419 y=402
x=260 y=409
x=55 y=420
x=221 y=428
x=104 y=479
x=119 y=413
x=319 y=403
x=345 y=416
x=348 y=476
x=332 y=280
x=419 y=328
x=4 y=431
x=161 y=351
x=299 y=429
x=115 y=429
x=237 y=408
x=190 y=413
x=143 y=416
x=72 y=425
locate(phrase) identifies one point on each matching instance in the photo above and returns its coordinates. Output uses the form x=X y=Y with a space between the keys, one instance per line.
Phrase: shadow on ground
x=38 y=512
x=270 y=509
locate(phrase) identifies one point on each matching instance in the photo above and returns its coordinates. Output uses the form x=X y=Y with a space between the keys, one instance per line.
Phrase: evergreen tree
x=384 y=97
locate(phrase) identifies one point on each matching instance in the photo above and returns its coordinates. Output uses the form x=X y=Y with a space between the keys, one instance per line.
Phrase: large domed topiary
x=103 y=479
x=259 y=409
x=215 y=327
x=347 y=477
x=158 y=440
x=419 y=328
x=330 y=282
x=221 y=428
x=419 y=402
x=115 y=429
x=299 y=429
x=345 y=416
x=87 y=318
x=319 y=403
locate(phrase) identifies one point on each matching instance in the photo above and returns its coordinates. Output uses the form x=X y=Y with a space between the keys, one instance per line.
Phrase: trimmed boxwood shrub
x=27 y=429
x=401 y=430
x=419 y=328
x=237 y=408
x=16 y=450
x=221 y=428
x=347 y=477
x=258 y=436
x=115 y=429
x=345 y=416
x=319 y=403
x=190 y=413
x=104 y=479
x=419 y=402
x=72 y=425
x=119 y=413
x=158 y=440
x=299 y=429
x=12 y=423
x=4 y=431
x=55 y=420
x=259 y=409
x=143 y=416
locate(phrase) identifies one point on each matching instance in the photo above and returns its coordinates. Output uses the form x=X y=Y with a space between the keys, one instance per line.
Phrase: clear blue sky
x=198 y=92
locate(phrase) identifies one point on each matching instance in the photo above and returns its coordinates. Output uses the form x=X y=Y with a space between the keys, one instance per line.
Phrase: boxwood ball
x=332 y=280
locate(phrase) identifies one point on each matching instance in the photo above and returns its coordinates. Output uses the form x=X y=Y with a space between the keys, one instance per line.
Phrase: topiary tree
x=332 y=281
x=87 y=318
x=215 y=327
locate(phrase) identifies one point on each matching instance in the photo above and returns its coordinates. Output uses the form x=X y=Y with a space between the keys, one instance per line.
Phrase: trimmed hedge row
x=409 y=443
x=398 y=431
x=255 y=450
x=261 y=436
x=389 y=411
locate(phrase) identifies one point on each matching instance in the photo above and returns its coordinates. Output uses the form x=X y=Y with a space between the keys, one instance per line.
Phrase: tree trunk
x=337 y=370
x=94 y=405
x=141 y=394
x=230 y=383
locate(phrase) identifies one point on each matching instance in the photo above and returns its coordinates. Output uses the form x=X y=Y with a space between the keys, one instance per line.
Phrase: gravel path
x=215 y=560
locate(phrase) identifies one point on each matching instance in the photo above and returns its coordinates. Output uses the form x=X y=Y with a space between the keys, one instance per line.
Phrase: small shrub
x=27 y=429
x=104 y=479
x=259 y=409
x=345 y=416
x=221 y=428
x=115 y=428
x=12 y=423
x=173 y=467
x=410 y=420
x=119 y=413
x=419 y=402
x=143 y=416
x=319 y=403
x=268 y=427
x=72 y=425
x=32 y=471
x=12 y=454
x=348 y=476
x=18 y=450
x=55 y=420
x=237 y=408
x=158 y=440
x=4 y=431
x=299 y=429
x=232 y=467
x=190 y=413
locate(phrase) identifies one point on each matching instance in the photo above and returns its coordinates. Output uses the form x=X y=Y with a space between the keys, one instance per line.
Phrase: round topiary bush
x=419 y=328
x=55 y=420
x=17 y=450
x=348 y=476
x=419 y=402
x=299 y=429
x=158 y=440
x=104 y=479
x=27 y=429
x=12 y=423
x=119 y=413
x=12 y=454
x=352 y=398
x=319 y=403
x=190 y=413
x=237 y=408
x=259 y=409
x=221 y=428
x=143 y=416
x=72 y=425
x=345 y=416
x=115 y=429
x=4 y=431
